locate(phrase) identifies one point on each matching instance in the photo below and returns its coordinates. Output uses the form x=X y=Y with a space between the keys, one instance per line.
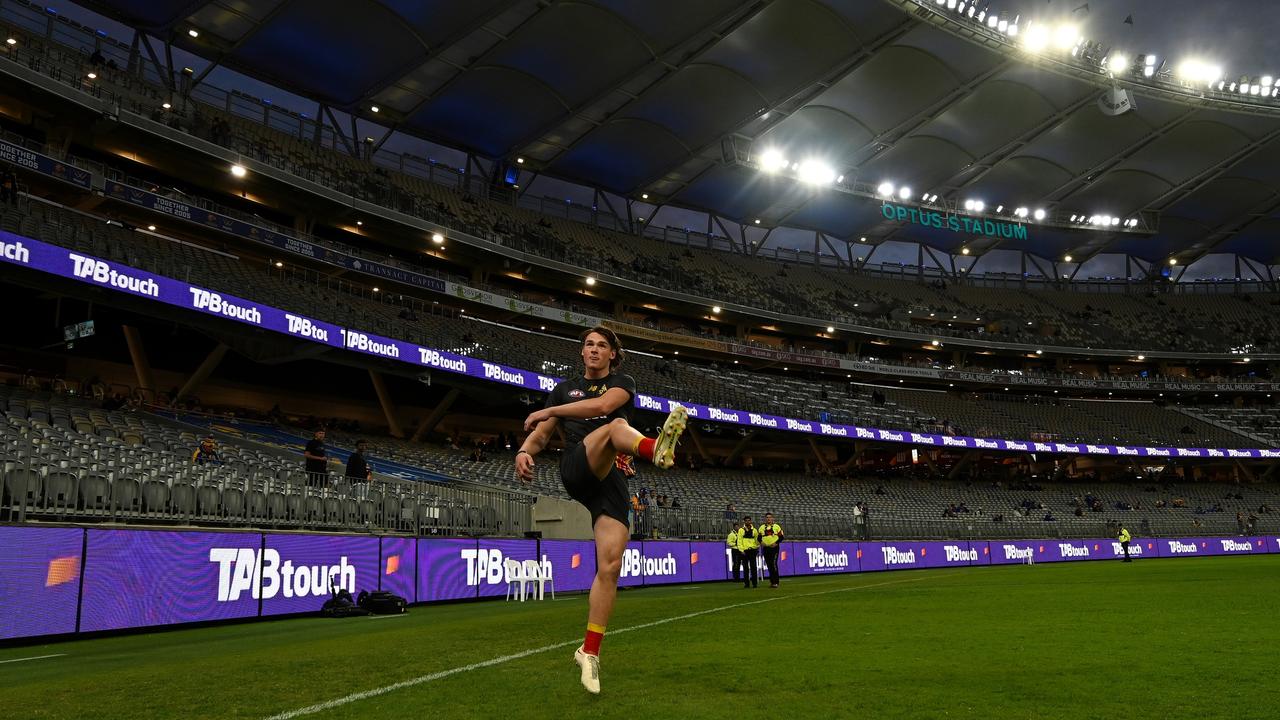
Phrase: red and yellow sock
x=644 y=448
x=591 y=645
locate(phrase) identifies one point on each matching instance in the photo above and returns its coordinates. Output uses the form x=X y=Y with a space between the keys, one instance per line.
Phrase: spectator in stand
x=730 y=513
x=317 y=463
x=358 y=472
x=674 y=503
x=207 y=452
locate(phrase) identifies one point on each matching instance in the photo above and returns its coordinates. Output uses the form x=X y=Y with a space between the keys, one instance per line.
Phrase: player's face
x=596 y=352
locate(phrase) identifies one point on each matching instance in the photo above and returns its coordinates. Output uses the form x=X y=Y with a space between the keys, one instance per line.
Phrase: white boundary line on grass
x=366 y=694
x=37 y=657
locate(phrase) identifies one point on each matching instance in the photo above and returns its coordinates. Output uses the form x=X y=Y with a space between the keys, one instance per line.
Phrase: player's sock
x=591 y=645
x=644 y=448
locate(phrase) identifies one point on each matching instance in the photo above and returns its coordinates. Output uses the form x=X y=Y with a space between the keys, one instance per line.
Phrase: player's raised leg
x=611 y=540
x=605 y=443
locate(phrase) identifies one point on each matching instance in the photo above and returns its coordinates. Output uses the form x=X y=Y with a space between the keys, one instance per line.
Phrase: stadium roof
x=667 y=96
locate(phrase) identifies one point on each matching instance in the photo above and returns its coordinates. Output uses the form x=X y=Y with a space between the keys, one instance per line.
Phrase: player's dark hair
x=610 y=337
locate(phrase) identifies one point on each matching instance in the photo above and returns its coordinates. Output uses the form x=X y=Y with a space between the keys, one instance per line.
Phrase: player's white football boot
x=664 y=452
x=590 y=666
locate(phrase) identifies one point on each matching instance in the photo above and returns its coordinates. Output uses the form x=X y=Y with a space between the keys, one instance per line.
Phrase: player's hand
x=524 y=467
x=536 y=417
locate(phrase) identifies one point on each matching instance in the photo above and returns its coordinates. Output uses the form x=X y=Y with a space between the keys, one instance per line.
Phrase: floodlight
x=715 y=310
x=373 y=108
x=968 y=204
x=1117 y=63
x=1066 y=258
x=591 y=280
x=238 y=170
x=1040 y=213
x=772 y=161
x=193 y=32
x=830 y=329
x=964 y=251
x=904 y=192
x=816 y=172
x=979 y=206
x=437 y=238
x=1020 y=212
x=1267 y=80
x=1066 y=36
x=1036 y=38
x=885 y=189
x=1173 y=261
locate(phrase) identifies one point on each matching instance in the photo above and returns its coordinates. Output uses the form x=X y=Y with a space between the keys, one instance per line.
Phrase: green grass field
x=1154 y=639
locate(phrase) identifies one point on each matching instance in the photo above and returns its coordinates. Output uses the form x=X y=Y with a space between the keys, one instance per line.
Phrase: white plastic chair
x=540 y=575
x=516 y=576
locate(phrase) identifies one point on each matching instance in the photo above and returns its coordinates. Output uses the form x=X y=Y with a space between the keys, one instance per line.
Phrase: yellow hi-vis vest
x=748 y=539
x=732 y=541
x=769 y=534
x=1124 y=535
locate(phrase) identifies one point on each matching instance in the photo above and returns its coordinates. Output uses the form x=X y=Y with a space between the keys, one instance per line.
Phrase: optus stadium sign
x=954 y=223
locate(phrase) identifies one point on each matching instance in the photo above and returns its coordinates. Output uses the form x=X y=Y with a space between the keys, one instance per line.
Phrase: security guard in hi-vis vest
x=735 y=555
x=770 y=536
x=749 y=544
x=1124 y=537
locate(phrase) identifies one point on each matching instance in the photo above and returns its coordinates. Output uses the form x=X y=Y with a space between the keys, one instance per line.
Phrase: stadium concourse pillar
x=965 y=461
x=697 y=443
x=431 y=421
x=138 y=353
x=388 y=408
x=203 y=372
x=817 y=453
x=740 y=448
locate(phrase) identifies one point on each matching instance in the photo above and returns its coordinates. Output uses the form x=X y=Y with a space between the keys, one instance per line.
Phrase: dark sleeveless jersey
x=580 y=388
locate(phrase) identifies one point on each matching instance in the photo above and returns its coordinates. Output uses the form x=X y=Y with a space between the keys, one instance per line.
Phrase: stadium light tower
x=885 y=189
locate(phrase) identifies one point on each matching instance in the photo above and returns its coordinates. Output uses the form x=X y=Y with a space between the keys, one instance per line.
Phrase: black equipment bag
x=381 y=602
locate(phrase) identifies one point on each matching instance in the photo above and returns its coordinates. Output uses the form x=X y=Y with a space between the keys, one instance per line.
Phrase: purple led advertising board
x=1201 y=546
x=572 y=563
x=1110 y=549
x=824 y=558
x=298 y=570
x=1072 y=550
x=398 y=572
x=39 y=580
x=448 y=569
x=137 y=578
x=655 y=563
x=489 y=569
x=663 y=563
x=1013 y=552
x=708 y=561
x=905 y=555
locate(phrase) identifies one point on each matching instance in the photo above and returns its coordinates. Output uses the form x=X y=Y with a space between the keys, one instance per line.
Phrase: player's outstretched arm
x=535 y=443
x=613 y=399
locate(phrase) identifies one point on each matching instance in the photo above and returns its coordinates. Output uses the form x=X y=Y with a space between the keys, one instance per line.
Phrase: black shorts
x=600 y=497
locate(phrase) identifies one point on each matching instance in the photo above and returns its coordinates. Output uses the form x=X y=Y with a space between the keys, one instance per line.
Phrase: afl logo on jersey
x=576 y=394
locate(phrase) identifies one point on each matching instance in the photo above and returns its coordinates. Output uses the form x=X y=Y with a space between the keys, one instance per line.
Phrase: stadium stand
x=415 y=320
